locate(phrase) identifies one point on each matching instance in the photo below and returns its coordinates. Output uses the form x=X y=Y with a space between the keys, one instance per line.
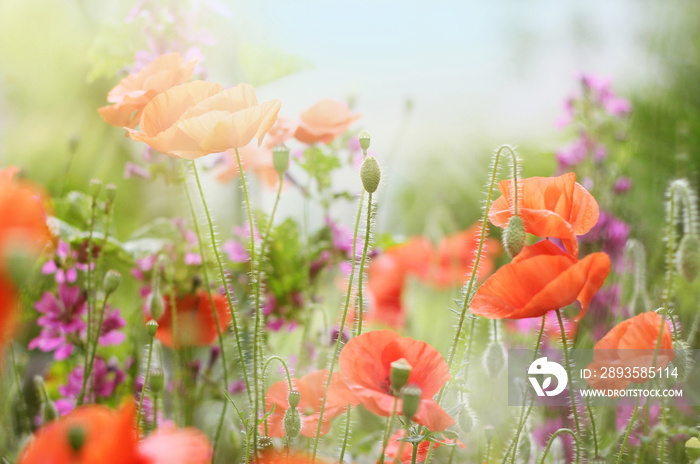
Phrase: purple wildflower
x=622 y=185
x=60 y=321
x=106 y=377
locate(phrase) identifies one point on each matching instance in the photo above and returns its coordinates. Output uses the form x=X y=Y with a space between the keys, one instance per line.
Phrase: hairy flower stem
x=346 y=435
x=414 y=455
x=362 y=265
x=387 y=430
x=523 y=415
x=90 y=301
x=629 y=430
x=567 y=362
x=593 y=427
x=339 y=340
x=207 y=283
x=555 y=435
x=176 y=347
x=145 y=382
x=257 y=341
x=20 y=390
x=93 y=349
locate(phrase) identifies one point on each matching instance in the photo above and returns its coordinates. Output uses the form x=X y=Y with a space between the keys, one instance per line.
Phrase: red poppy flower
x=311 y=388
x=90 y=434
x=365 y=363
x=394 y=446
x=541 y=278
x=169 y=445
x=293 y=457
x=196 y=325
x=549 y=207
x=630 y=345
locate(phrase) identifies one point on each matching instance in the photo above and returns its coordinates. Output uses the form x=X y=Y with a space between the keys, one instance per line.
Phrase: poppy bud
x=364 y=140
x=400 y=371
x=489 y=432
x=692 y=448
x=19 y=262
x=514 y=236
x=280 y=159
x=688 y=257
x=111 y=192
x=410 y=399
x=466 y=418
x=76 y=437
x=152 y=328
x=294 y=397
x=264 y=442
x=48 y=408
x=370 y=174
x=156 y=304
x=681 y=360
x=112 y=281
x=494 y=359
x=157 y=380
x=94 y=188
x=292 y=422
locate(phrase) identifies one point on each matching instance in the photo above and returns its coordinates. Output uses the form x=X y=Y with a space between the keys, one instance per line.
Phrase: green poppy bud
x=152 y=328
x=692 y=448
x=514 y=236
x=280 y=159
x=489 y=432
x=410 y=399
x=157 y=380
x=112 y=281
x=371 y=174
x=494 y=359
x=94 y=188
x=364 y=140
x=688 y=257
x=294 y=397
x=292 y=422
x=400 y=371
x=466 y=418
x=681 y=360
x=156 y=305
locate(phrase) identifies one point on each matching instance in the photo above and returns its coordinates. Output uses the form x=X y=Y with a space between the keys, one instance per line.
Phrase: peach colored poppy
x=541 y=278
x=198 y=118
x=136 y=90
x=324 y=121
x=631 y=345
x=195 y=320
x=365 y=363
x=293 y=457
x=169 y=445
x=258 y=159
x=311 y=388
x=109 y=438
x=549 y=207
x=395 y=446
x=455 y=254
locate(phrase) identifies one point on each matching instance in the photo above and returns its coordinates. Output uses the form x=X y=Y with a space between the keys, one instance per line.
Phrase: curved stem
x=339 y=340
x=145 y=382
x=629 y=430
x=346 y=435
x=555 y=435
x=387 y=431
x=362 y=264
x=286 y=369
x=567 y=362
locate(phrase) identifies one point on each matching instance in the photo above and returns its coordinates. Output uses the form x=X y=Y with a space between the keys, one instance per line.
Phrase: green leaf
x=319 y=166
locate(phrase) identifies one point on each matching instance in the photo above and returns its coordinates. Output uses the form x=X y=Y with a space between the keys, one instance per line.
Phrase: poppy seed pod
x=152 y=328
x=400 y=371
x=112 y=281
x=157 y=380
x=688 y=257
x=494 y=359
x=292 y=422
x=364 y=138
x=264 y=442
x=371 y=174
x=489 y=432
x=410 y=399
x=76 y=437
x=156 y=304
x=111 y=192
x=692 y=448
x=514 y=236
x=294 y=398
x=280 y=159
x=95 y=188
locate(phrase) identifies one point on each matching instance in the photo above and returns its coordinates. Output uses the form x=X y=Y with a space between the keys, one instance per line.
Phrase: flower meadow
x=249 y=328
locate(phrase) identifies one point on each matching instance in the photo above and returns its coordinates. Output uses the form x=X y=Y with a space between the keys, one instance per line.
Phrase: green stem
x=20 y=390
x=567 y=363
x=96 y=340
x=90 y=302
x=555 y=435
x=629 y=430
x=362 y=264
x=176 y=347
x=593 y=427
x=346 y=435
x=336 y=350
x=284 y=364
x=414 y=455
x=145 y=382
x=387 y=431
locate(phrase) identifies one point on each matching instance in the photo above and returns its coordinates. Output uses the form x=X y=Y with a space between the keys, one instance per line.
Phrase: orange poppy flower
x=196 y=325
x=394 y=446
x=549 y=207
x=541 y=278
x=90 y=434
x=198 y=118
x=169 y=445
x=311 y=388
x=293 y=457
x=22 y=226
x=258 y=159
x=136 y=90
x=365 y=363
x=631 y=345
x=324 y=121
x=454 y=257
